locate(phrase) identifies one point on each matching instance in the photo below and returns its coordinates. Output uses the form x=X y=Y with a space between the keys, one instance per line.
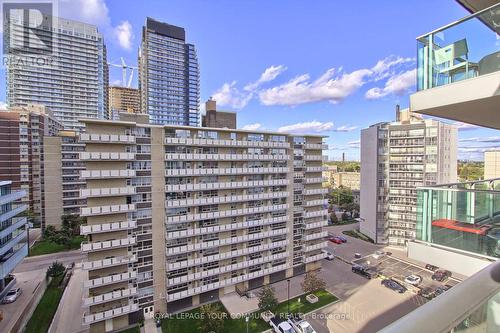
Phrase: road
x=44 y=261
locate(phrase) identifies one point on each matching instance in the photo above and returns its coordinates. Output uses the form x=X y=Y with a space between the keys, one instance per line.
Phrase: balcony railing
x=107 y=138
x=107 y=191
x=105 y=174
x=110 y=279
x=90 y=318
x=227 y=143
x=224 y=171
x=108 y=297
x=107 y=227
x=225 y=157
x=107 y=245
x=108 y=262
x=225 y=199
x=461 y=50
x=105 y=210
x=105 y=156
x=225 y=185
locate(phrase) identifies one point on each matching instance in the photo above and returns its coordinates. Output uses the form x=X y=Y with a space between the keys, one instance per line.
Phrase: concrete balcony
x=225 y=143
x=316 y=257
x=315 y=158
x=225 y=269
x=103 y=157
x=320 y=202
x=91 y=318
x=316 y=191
x=226 y=282
x=225 y=255
x=315 y=247
x=226 y=241
x=314 y=225
x=224 y=171
x=18 y=223
x=13 y=212
x=105 y=174
x=107 y=191
x=106 y=210
x=9 y=262
x=107 y=227
x=316 y=169
x=317 y=235
x=226 y=199
x=110 y=279
x=107 y=245
x=107 y=138
x=108 y=262
x=317 y=180
x=225 y=157
x=323 y=212
x=5 y=247
x=225 y=213
x=224 y=227
x=319 y=146
x=226 y=185
x=109 y=297
x=13 y=196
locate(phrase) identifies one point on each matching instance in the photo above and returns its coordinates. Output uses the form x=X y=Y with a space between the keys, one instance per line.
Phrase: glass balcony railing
x=463 y=216
x=461 y=50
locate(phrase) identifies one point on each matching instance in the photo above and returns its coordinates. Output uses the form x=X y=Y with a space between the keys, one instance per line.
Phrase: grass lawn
x=344 y=222
x=46 y=309
x=357 y=234
x=46 y=246
x=190 y=321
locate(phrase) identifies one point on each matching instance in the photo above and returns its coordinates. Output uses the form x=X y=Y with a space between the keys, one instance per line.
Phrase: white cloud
x=229 y=95
x=464 y=126
x=397 y=84
x=487 y=139
x=384 y=67
x=124 y=35
x=345 y=128
x=3 y=106
x=354 y=144
x=268 y=75
x=252 y=127
x=307 y=127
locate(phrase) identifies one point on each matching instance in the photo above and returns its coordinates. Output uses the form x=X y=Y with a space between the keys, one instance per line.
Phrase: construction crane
x=124 y=68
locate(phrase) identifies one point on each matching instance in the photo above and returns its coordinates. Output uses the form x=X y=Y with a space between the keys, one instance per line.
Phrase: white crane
x=124 y=68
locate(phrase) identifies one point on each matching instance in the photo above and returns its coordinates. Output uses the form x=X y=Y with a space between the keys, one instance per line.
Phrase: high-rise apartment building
x=396 y=158
x=492 y=164
x=169 y=77
x=178 y=216
x=123 y=99
x=74 y=83
x=13 y=246
x=22 y=134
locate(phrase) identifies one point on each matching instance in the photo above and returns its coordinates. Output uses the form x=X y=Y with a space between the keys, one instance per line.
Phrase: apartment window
x=255 y=137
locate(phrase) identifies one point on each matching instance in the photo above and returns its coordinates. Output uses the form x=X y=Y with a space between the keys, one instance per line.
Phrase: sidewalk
x=150 y=326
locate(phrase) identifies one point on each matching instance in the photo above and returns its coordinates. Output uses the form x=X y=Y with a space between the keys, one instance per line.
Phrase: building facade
x=169 y=77
x=13 y=246
x=123 y=99
x=178 y=216
x=346 y=179
x=396 y=158
x=22 y=134
x=73 y=84
x=492 y=164
x=217 y=119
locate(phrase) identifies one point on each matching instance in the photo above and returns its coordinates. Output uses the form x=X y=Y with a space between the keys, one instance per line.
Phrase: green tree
x=56 y=269
x=49 y=232
x=333 y=217
x=341 y=196
x=345 y=216
x=213 y=318
x=312 y=282
x=71 y=223
x=267 y=299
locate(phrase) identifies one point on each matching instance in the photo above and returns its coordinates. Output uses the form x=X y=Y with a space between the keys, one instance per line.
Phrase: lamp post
x=247 y=320
x=288 y=302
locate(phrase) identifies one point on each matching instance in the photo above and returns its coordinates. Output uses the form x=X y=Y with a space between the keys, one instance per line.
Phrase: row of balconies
x=105 y=210
x=226 y=199
x=315 y=180
x=315 y=191
x=316 y=146
x=225 y=269
x=224 y=213
x=107 y=138
x=316 y=257
x=107 y=191
x=110 y=279
x=109 y=262
x=225 y=241
x=315 y=158
x=107 y=245
x=109 y=297
x=223 y=283
x=224 y=171
x=227 y=143
x=90 y=318
x=224 y=227
x=316 y=169
x=102 y=156
x=322 y=212
x=319 y=202
x=316 y=235
x=314 y=225
x=225 y=255
x=105 y=174
x=225 y=185
x=225 y=157
x=314 y=247
x=107 y=227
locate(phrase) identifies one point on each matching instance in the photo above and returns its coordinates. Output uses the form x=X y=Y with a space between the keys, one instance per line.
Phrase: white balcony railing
x=316 y=146
x=111 y=296
x=226 y=185
x=107 y=227
x=105 y=210
x=315 y=191
x=107 y=138
x=224 y=171
x=225 y=157
x=110 y=279
x=317 y=235
x=316 y=213
x=105 y=174
x=226 y=143
x=108 y=262
x=225 y=199
x=106 y=191
x=107 y=245
x=316 y=169
x=90 y=318
x=316 y=257
x=319 y=202
x=314 y=225
x=102 y=156
x=315 y=247
x=315 y=180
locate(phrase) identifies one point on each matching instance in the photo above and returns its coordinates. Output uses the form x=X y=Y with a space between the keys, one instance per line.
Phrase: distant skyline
x=329 y=67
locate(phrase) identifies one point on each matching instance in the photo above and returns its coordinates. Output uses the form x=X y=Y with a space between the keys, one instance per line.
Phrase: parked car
x=378 y=254
x=426 y=292
x=431 y=267
x=336 y=240
x=301 y=326
x=441 y=275
x=281 y=326
x=439 y=291
x=391 y=284
x=357 y=255
x=413 y=279
x=364 y=271
x=329 y=255
x=12 y=295
x=342 y=238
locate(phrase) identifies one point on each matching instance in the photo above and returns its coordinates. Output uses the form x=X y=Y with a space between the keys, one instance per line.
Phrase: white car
x=414 y=280
x=12 y=295
x=329 y=255
x=378 y=254
x=305 y=327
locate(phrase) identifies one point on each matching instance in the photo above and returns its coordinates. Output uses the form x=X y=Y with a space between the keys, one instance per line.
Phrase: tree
x=71 y=223
x=267 y=299
x=333 y=217
x=212 y=318
x=345 y=216
x=312 y=282
x=351 y=208
x=49 y=232
x=56 y=269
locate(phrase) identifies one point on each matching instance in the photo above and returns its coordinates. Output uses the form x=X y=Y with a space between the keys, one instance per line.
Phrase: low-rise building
x=217 y=119
x=492 y=164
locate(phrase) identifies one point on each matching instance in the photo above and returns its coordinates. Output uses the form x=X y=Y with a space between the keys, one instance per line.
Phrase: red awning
x=459 y=226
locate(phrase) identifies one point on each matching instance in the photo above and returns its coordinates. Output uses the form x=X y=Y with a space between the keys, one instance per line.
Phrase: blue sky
x=329 y=67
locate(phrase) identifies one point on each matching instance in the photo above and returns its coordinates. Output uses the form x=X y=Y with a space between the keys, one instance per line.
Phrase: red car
x=336 y=240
